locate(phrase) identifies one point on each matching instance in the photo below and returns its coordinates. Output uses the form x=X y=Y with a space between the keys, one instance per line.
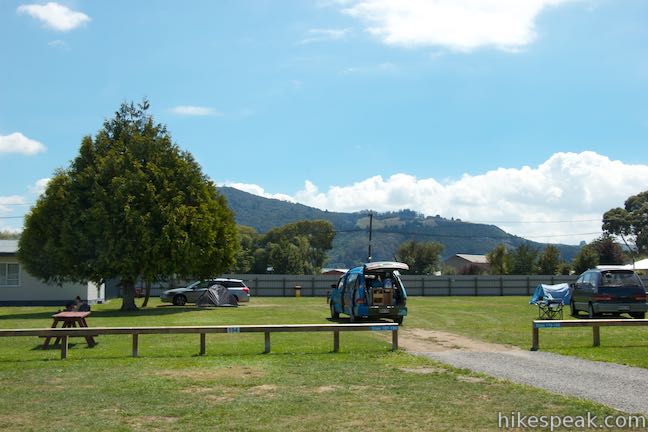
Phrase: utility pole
x=370 y=230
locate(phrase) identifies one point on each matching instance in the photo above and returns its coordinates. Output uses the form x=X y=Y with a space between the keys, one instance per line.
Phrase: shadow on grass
x=156 y=311
x=247 y=355
x=360 y=320
x=55 y=346
x=600 y=317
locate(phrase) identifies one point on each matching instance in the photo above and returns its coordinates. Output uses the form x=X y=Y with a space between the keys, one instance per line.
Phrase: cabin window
x=9 y=274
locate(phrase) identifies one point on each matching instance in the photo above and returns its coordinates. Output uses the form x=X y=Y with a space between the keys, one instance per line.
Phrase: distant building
x=462 y=262
x=17 y=287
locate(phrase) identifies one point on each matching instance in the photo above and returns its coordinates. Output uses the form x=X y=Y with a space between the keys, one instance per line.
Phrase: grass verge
x=508 y=320
x=300 y=386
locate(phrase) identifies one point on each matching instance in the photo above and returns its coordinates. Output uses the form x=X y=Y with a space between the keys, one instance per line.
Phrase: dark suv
x=599 y=291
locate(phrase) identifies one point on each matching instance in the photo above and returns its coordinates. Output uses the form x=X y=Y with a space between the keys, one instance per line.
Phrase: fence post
x=313 y=286
x=449 y=285
x=336 y=341
x=395 y=339
x=535 y=343
x=528 y=290
x=267 y=342
x=422 y=286
x=135 y=344
x=64 y=346
x=202 y=343
x=596 y=335
x=283 y=288
x=256 y=286
x=501 y=286
x=476 y=290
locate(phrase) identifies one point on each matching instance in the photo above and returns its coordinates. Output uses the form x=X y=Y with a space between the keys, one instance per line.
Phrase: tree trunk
x=128 y=301
x=147 y=294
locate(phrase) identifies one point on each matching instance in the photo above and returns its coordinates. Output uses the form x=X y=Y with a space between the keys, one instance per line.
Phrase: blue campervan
x=374 y=290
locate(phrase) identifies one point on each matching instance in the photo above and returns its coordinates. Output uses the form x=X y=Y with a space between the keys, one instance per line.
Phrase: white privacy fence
x=274 y=285
x=262 y=285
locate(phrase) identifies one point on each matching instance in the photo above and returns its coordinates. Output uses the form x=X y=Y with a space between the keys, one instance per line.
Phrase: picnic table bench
x=70 y=320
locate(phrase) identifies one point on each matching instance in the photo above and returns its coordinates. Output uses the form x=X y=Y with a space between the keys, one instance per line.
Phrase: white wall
x=32 y=290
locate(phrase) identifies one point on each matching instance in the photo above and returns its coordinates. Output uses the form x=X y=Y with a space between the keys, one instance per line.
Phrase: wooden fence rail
x=65 y=333
x=596 y=325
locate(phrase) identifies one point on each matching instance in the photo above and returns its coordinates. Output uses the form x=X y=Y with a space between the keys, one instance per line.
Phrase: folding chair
x=550 y=309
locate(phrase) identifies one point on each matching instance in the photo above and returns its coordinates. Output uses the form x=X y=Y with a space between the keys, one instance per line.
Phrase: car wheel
x=334 y=315
x=180 y=300
x=638 y=315
x=399 y=319
x=590 y=311
x=572 y=309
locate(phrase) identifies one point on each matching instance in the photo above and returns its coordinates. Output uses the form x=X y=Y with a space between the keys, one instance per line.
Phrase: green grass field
x=301 y=385
x=508 y=320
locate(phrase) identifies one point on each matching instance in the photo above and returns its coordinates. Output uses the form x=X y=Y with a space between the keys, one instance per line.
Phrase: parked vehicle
x=602 y=291
x=191 y=293
x=373 y=290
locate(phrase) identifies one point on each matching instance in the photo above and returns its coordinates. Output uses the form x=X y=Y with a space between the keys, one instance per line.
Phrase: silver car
x=193 y=291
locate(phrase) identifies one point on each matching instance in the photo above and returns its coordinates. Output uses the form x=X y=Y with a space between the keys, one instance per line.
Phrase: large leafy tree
x=249 y=239
x=549 y=261
x=422 y=257
x=630 y=222
x=586 y=259
x=609 y=251
x=523 y=260
x=295 y=248
x=499 y=260
x=131 y=205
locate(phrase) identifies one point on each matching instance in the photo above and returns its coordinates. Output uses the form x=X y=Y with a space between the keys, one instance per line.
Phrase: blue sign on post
x=547 y=325
x=384 y=327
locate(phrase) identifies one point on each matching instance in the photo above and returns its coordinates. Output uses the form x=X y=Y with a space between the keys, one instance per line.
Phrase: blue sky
x=507 y=111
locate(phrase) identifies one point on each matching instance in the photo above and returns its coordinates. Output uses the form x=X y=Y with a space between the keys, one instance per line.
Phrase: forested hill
x=389 y=229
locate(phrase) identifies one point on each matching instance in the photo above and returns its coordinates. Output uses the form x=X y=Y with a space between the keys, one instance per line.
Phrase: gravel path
x=621 y=387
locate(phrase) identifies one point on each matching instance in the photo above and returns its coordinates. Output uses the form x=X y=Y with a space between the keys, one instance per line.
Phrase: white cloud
x=55 y=16
x=460 y=25
x=532 y=202
x=10 y=203
x=57 y=43
x=39 y=187
x=258 y=190
x=19 y=143
x=192 y=110
x=322 y=35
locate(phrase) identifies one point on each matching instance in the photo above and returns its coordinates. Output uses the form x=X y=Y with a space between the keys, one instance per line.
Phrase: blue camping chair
x=550 y=300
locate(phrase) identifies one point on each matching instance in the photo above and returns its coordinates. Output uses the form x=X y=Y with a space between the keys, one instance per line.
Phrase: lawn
x=301 y=385
x=508 y=320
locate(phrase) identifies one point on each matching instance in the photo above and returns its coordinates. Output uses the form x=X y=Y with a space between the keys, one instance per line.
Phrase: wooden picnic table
x=69 y=320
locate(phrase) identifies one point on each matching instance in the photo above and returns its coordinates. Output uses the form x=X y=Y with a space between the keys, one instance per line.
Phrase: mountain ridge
x=390 y=229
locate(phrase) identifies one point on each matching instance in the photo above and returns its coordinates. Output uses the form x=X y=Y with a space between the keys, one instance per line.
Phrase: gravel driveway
x=621 y=387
